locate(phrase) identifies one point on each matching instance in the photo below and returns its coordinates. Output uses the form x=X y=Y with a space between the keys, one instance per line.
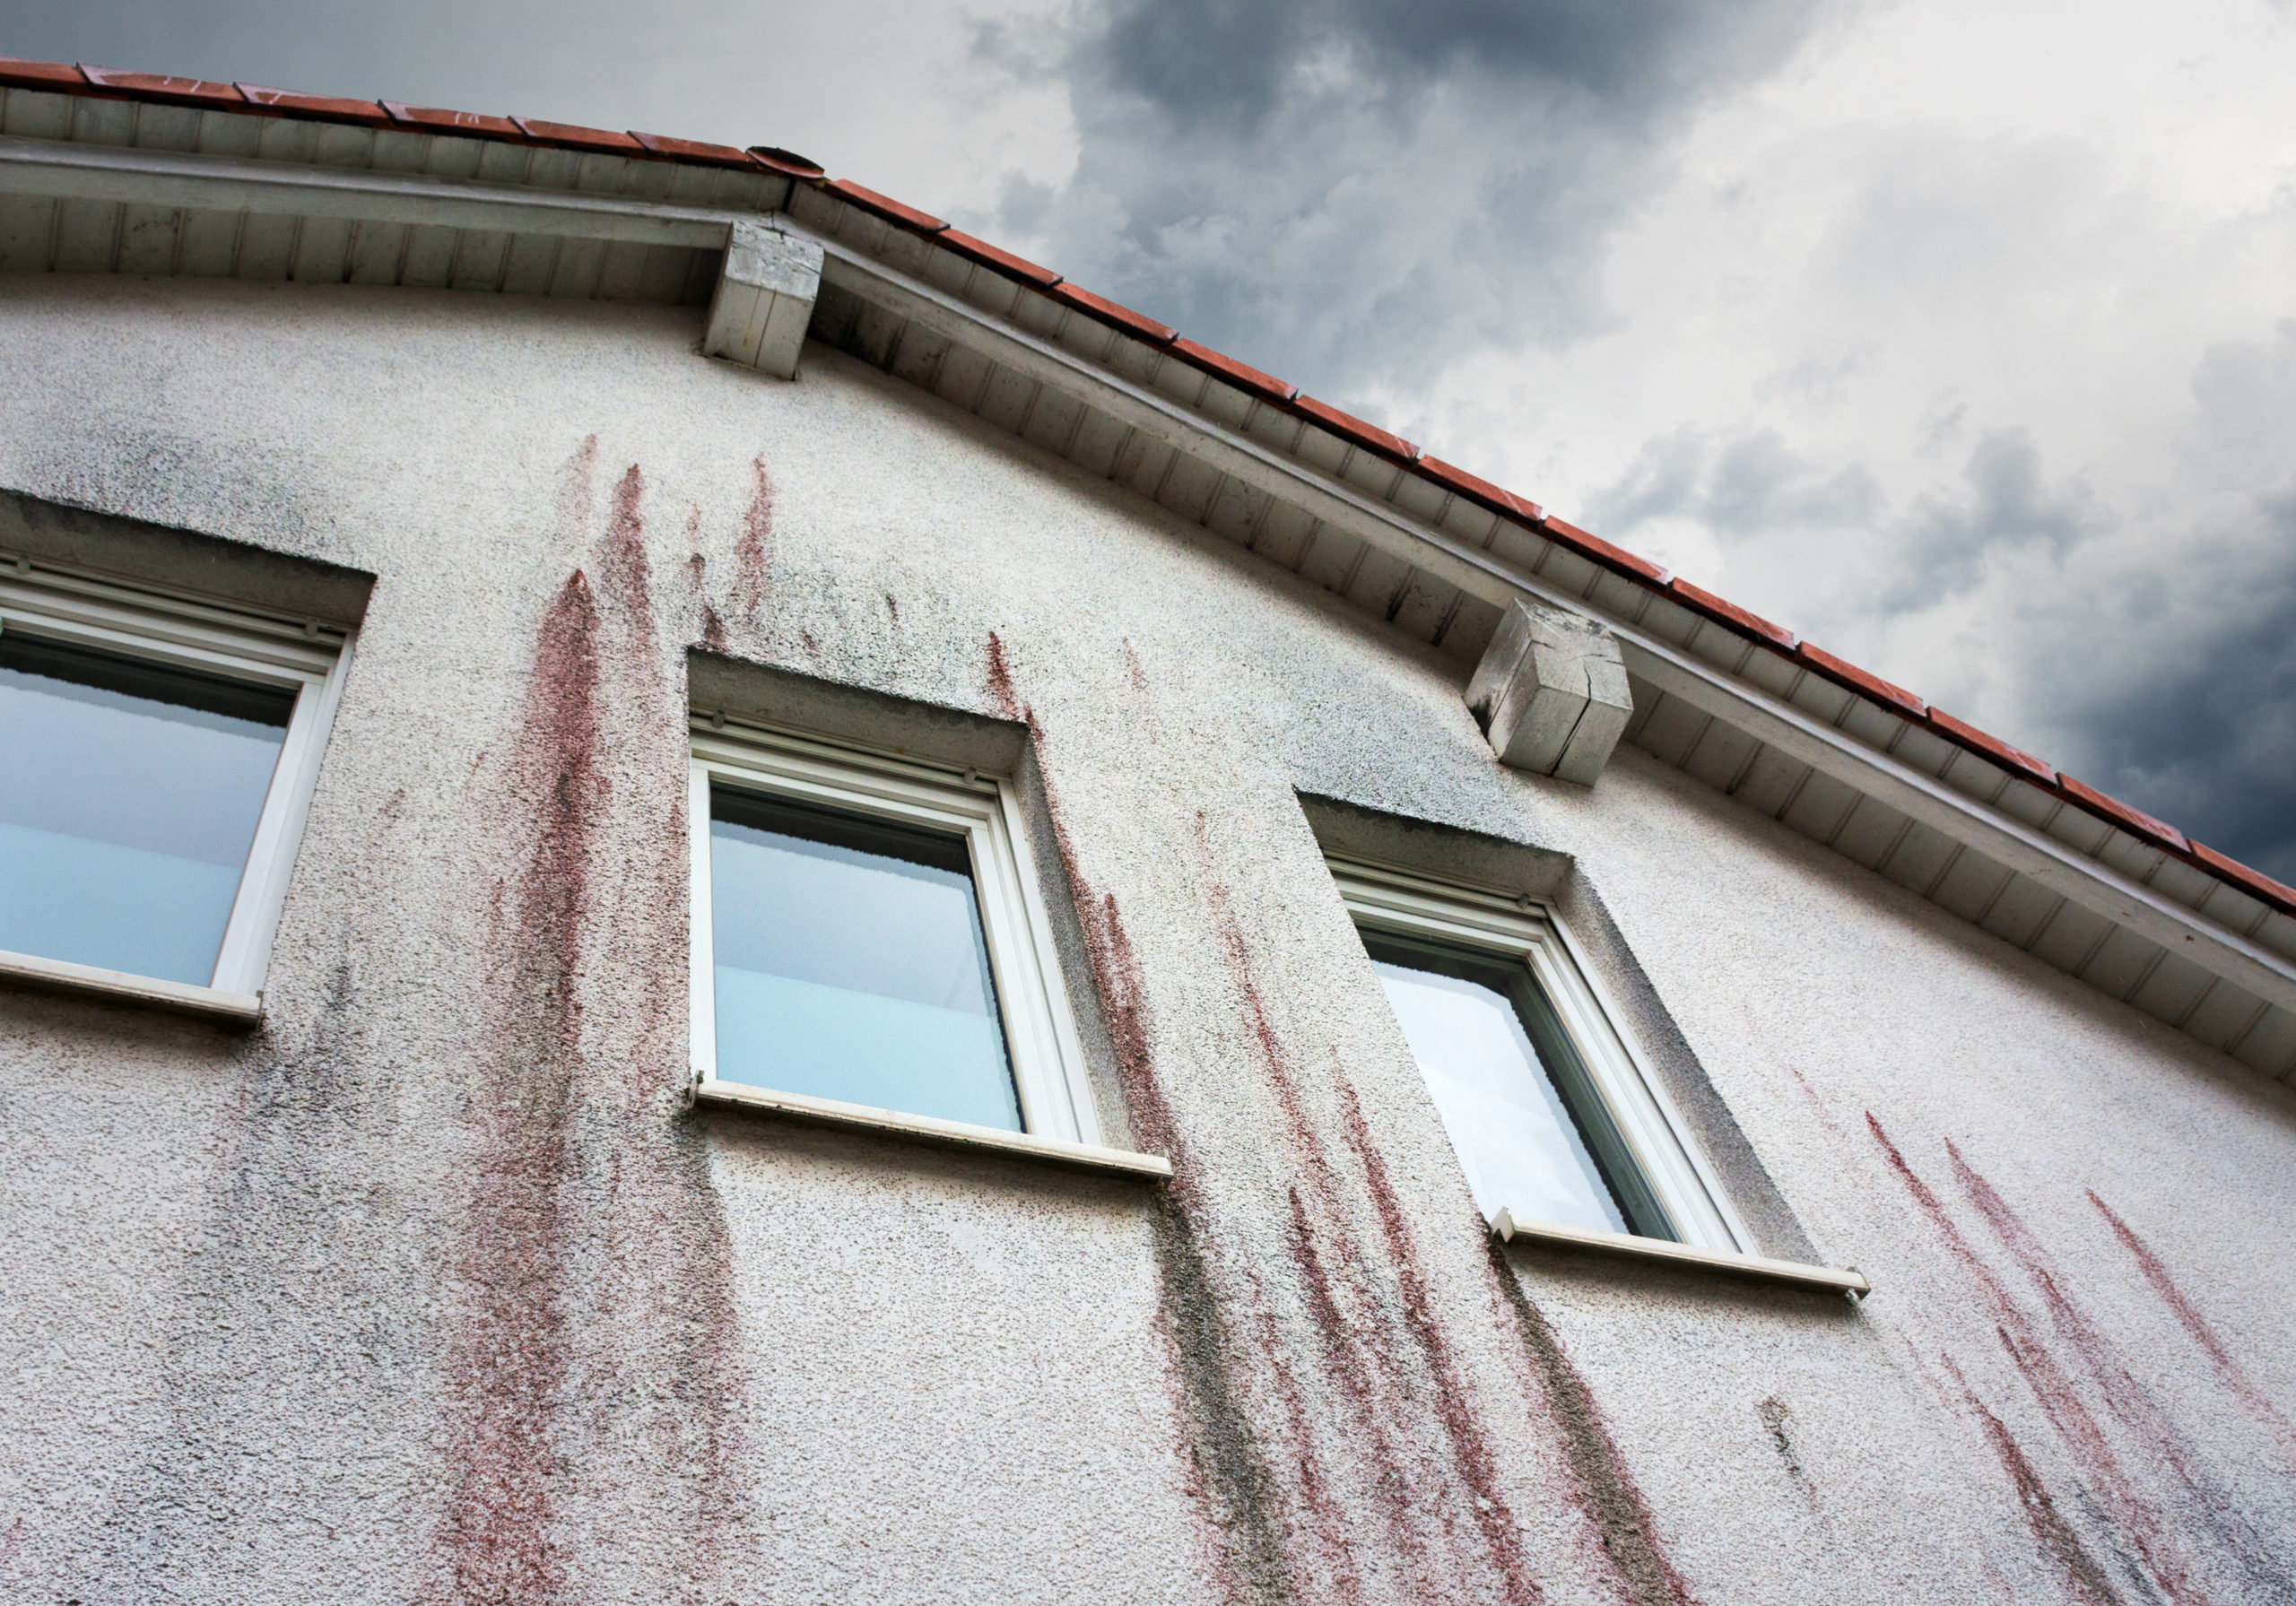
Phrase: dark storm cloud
x=1351 y=191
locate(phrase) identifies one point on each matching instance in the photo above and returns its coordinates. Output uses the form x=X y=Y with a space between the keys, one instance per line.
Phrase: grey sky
x=1960 y=336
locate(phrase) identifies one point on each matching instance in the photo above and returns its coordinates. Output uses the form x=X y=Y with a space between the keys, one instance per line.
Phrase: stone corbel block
x=1552 y=694
x=764 y=299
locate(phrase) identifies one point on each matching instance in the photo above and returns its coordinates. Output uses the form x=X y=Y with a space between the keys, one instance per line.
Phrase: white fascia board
x=2089 y=882
x=192 y=179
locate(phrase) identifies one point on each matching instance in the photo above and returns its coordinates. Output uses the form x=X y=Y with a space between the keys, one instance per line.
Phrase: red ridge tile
x=1858 y=680
x=328 y=109
x=1356 y=432
x=2157 y=831
x=1602 y=552
x=694 y=149
x=785 y=161
x=1110 y=312
x=1241 y=374
x=885 y=206
x=446 y=121
x=1475 y=488
x=159 y=86
x=575 y=135
x=973 y=249
x=16 y=72
x=1714 y=607
x=2253 y=881
x=1992 y=747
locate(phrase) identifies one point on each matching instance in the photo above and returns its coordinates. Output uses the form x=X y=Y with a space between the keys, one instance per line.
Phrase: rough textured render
x=764 y=299
x=1551 y=693
x=434 y=1290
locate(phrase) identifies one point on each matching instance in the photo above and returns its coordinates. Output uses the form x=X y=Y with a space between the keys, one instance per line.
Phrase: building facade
x=713 y=895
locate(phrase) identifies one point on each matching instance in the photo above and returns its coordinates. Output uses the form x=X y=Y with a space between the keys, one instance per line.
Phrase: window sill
x=55 y=976
x=1552 y=1235
x=958 y=1134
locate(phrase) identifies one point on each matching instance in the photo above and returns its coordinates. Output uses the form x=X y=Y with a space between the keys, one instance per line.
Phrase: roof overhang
x=2090 y=886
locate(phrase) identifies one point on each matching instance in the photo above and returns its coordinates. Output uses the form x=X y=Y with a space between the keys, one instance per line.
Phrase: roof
x=1406 y=456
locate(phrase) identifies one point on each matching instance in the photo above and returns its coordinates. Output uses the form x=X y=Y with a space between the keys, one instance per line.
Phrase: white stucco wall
x=431 y=1290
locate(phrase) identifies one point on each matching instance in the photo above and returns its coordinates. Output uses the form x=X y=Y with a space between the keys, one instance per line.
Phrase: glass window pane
x=1469 y=1019
x=851 y=963
x=129 y=794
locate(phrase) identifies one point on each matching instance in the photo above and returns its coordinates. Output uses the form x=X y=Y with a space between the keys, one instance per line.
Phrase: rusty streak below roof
x=159 y=88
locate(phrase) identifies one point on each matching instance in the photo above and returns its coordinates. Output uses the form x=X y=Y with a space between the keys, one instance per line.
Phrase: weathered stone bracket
x=764 y=299
x=1551 y=693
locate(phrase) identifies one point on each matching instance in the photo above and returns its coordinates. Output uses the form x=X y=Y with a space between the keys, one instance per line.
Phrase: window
x=156 y=761
x=1546 y=1106
x=866 y=939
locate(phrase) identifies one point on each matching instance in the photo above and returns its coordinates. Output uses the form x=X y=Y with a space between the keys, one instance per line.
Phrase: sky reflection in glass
x=851 y=964
x=129 y=795
x=1515 y=1137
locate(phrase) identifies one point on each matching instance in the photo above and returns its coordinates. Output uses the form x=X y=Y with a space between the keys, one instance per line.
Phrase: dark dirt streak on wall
x=1230 y=1476
x=1604 y=1490
x=2100 y=1469
x=280 y=1290
x=753 y=551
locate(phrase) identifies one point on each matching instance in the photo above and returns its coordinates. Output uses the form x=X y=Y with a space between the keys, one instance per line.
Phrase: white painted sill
x=55 y=976
x=956 y=1134
x=1553 y=1234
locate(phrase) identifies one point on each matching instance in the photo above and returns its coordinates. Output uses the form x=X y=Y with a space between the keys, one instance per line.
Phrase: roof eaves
x=160 y=89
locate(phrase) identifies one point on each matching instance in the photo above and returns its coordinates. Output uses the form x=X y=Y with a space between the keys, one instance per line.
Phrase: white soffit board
x=108 y=186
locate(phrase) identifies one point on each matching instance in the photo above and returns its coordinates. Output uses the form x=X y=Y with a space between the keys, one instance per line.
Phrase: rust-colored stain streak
x=2086 y=1575
x=508 y=1363
x=753 y=550
x=2187 y=1314
x=1231 y=1478
x=1007 y=701
x=1471 y=1456
x=2133 y=1514
x=622 y=568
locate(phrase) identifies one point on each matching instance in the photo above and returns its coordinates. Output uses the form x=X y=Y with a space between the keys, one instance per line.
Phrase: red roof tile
x=328 y=109
x=2131 y=819
x=18 y=73
x=786 y=162
x=2254 y=881
x=1992 y=747
x=579 y=138
x=1705 y=602
x=1241 y=374
x=158 y=86
x=1602 y=552
x=1355 y=432
x=1475 y=488
x=694 y=150
x=1109 y=312
x=1858 y=680
x=989 y=256
x=885 y=207
x=453 y=122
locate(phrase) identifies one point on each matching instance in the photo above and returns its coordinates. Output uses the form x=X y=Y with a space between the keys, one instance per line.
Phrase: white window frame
x=1040 y=1038
x=61 y=602
x=1384 y=898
